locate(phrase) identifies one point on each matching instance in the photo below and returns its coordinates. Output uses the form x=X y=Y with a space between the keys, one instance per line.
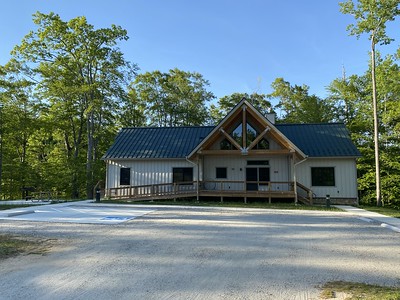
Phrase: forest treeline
x=68 y=89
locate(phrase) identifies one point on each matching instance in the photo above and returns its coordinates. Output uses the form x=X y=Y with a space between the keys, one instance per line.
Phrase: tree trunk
x=74 y=185
x=89 y=158
x=376 y=128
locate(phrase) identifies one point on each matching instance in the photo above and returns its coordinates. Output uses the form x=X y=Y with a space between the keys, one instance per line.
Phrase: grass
x=239 y=204
x=355 y=291
x=388 y=211
x=12 y=246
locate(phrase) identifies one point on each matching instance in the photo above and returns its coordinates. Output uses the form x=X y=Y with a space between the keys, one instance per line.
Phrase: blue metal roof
x=320 y=140
x=156 y=142
x=315 y=140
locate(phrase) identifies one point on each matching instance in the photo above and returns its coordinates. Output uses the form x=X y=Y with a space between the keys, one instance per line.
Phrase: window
x=125 y=176
x=182 y=175
x=258 y=162
x=226 y=145
x=237 y=134
x=221 y=173
x=323 y=176
x=251 y=134
x=262 y=145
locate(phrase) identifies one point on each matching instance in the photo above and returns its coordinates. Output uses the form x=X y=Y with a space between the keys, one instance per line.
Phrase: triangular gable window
x=251 y=134
x=237 y=135
x=226 y=145
x=262 y=145
x=244 y=130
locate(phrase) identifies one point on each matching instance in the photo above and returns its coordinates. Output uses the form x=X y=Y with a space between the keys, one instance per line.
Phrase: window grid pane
x=182 y=174
x=125 y=176
x=323 y=176
x=221 y=173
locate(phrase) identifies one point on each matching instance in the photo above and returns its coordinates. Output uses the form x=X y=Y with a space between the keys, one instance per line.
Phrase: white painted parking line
x=394 y=228
x=365 y=219
x=73 y=213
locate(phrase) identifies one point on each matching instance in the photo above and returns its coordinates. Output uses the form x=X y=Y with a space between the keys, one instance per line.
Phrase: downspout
x=106 y=193
x=294 y=177
x=197 y=177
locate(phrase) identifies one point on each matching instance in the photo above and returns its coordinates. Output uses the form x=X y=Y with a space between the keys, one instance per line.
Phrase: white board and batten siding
x=345 y=177
x=236 y=167
x=146 y=172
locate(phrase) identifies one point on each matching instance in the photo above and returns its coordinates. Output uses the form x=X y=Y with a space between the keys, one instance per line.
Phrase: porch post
x=294 y=178
x=197 y=164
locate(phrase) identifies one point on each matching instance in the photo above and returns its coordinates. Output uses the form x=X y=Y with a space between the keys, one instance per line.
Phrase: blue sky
x=238 y=45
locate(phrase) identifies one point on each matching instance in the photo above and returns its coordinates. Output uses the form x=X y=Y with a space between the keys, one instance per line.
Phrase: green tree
x=298 y=105
x=176 y=98
x=371 y=17
x=388 y=76
x=352 y=97
x=19 y=121
x=346 y=94
x=227 y=103
x=82 y=75
x=133 y=111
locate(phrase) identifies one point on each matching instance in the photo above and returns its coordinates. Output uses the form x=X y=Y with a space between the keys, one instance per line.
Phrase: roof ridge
x=168 y=127
x=212 y=126
x=304 y=124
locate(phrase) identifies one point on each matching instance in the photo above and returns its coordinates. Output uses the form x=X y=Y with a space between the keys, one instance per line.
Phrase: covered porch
x=267 y=190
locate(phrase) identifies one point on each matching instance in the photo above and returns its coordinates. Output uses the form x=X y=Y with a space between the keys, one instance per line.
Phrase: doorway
x=256 y=174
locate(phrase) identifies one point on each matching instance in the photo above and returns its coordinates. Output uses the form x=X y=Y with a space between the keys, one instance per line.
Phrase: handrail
x=308 y=191
x=186 y=188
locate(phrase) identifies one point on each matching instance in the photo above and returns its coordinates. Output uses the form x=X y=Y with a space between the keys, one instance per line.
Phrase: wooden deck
x=222 y=189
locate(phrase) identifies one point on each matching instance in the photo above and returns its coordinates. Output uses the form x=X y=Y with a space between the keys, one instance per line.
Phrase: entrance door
x=252 y=175
x=256 y=174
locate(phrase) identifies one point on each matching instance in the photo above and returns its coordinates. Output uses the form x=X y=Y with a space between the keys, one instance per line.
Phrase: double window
x=182 y=175
x=323 y=176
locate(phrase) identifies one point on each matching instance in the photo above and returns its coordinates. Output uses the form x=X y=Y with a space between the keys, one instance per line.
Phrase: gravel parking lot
x=201 y=253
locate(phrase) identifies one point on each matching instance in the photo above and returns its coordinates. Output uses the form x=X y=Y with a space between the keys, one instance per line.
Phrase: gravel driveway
x=201 y=253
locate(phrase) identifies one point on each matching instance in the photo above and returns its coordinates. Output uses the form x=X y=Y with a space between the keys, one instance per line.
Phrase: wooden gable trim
x=279 y=137
x=258 y=138
x=215 y=134
x=242 y=112
x=249 y=153
x=221 y=152
x=230 y=139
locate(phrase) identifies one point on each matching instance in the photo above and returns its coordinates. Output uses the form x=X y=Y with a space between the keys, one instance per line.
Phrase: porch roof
x=315 y=140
